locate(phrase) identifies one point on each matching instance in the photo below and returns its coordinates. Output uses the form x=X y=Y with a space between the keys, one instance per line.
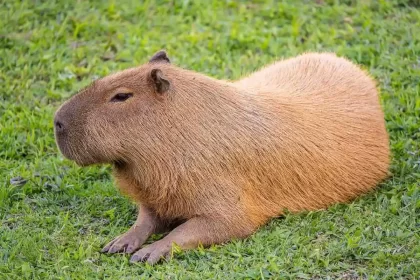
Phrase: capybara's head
x=109 y=118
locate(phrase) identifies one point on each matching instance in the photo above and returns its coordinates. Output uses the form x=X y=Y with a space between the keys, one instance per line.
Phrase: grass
x=53 y=226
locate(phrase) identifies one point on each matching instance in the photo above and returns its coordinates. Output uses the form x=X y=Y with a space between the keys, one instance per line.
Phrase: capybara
x=210 y=161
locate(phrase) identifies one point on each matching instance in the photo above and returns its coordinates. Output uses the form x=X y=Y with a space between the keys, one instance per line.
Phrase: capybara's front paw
x=126 y=243
x=153 y=253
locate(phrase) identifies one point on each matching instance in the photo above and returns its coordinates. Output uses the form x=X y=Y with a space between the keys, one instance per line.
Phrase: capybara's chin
x=87 y=162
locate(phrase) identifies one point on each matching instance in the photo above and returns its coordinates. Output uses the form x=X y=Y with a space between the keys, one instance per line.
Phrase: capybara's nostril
x=59 y=127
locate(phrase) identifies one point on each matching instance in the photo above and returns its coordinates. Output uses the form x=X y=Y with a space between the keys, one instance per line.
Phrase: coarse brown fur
x=214 y=159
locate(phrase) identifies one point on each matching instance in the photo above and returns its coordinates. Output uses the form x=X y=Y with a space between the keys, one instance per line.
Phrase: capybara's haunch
x=209 y=161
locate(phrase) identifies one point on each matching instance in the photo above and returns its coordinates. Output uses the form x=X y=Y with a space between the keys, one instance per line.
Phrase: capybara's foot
x=146 y=224
x=192 y=233
x=153 y=253
x=129 y=242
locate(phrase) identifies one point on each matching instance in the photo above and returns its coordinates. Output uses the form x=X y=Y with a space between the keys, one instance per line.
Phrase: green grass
x=54 y=225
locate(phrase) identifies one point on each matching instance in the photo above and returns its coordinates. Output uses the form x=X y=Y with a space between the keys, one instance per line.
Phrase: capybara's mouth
x=80 y=161
x=65 y=151
x=78 y=157
x=61 y=144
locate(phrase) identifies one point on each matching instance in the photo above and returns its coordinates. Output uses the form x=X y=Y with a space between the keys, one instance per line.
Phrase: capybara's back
x=334 y=144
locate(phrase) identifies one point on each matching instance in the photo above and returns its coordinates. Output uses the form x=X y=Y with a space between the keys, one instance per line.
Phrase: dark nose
x=59 y=126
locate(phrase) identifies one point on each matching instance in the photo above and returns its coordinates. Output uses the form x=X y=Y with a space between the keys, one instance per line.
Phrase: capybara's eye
x=121 y=97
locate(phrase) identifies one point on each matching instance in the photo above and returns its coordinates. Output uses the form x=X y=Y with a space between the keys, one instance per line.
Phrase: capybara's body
x=218 y=159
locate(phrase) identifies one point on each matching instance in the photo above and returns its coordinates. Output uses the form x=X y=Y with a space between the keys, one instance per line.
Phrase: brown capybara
x=210 y=161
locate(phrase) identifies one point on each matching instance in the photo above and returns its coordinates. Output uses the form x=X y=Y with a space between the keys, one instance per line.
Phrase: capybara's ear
x=160 y=83
x=160 y=56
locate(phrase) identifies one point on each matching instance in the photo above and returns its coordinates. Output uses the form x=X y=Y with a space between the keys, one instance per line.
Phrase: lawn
x=55 y=216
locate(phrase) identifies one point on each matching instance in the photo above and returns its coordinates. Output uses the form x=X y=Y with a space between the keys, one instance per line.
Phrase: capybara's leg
x=192 y=233
x=146 y=224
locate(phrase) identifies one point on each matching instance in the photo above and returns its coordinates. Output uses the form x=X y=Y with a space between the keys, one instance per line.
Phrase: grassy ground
x=54 y=225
